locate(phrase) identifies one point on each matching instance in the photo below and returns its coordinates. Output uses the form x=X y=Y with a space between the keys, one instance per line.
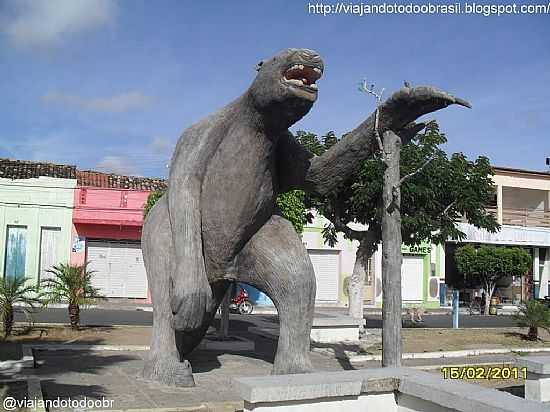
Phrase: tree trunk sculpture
x=218 y=221
x=391 y=253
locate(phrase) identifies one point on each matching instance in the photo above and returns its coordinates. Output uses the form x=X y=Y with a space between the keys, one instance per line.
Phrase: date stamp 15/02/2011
x=483 y=372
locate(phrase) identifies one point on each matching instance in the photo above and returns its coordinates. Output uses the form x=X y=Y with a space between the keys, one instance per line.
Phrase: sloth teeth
x=302 y=75
x=295 y=81
x=301 y=67
x=301 y=83
x=297 y=67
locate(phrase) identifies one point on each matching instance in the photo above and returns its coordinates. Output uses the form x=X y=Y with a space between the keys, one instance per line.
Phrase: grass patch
x=434 y=340
x=10 y=348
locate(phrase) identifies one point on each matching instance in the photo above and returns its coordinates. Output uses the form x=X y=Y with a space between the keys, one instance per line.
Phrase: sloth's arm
x=320 y=174
x=190 y=293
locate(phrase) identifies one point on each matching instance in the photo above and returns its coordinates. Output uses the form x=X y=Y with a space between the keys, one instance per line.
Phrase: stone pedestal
x=331 y=329
x=370 y=390
x=537 y=387
x=537 y=382
x=336 y=329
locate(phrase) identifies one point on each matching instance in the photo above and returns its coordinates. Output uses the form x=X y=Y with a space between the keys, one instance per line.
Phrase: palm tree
x=71 y=284
x=533 y=315
x=13 y=290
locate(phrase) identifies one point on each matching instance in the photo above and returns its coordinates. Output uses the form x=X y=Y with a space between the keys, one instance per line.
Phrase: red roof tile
x=109 y=180
x=23 y=169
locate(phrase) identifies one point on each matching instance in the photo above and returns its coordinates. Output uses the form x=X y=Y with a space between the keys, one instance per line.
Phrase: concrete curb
x=78 y=346
x=433 y=355
x=200 y=408
x=229 y=406
x=55 y=306
x=35 y=393
x=92 y=325
x=27 y=361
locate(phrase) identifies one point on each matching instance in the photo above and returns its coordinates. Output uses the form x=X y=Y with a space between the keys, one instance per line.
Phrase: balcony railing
x=525 y=217
x=521 y=217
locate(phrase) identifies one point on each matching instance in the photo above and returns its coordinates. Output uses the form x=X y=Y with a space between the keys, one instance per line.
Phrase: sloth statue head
x=284 y=88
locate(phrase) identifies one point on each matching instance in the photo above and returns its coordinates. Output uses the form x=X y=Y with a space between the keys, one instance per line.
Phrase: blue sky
x=110 y=85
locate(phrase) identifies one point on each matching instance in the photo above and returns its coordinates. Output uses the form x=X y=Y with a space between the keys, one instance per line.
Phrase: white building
x=522 y=207
x=422 y=272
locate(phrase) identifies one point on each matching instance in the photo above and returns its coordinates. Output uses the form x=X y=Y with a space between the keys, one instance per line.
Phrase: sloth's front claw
x=409 y=103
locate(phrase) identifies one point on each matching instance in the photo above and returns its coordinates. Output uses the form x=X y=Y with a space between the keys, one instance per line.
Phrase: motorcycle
x=241 y=303
x=545 y=301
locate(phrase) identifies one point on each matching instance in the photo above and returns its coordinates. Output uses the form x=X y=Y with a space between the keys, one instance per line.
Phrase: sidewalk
x=115 y=375
x=80 y=369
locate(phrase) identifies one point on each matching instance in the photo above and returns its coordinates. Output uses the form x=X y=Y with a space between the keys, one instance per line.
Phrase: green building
x=36 y=206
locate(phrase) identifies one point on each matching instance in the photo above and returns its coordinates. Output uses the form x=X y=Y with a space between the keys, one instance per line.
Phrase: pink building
x=107 y=222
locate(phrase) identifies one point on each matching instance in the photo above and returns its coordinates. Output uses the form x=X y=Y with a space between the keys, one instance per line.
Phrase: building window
x=16 y=252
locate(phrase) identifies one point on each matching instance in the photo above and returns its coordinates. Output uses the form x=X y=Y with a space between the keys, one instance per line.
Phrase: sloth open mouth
x=303 y=76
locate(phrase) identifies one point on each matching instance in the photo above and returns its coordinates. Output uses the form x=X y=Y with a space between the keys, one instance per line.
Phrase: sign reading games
x=422 y=249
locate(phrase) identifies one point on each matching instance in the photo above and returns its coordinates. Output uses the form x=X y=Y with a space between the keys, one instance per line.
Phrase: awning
x=508 y=235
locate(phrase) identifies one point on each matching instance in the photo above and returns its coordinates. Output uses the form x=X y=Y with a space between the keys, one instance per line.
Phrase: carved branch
x=376 y=131
x=408 y=132
x=397 y=113
x=378 y=96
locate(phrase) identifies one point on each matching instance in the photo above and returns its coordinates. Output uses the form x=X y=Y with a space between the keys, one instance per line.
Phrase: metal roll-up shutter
x=119 y=269
x=98 y=262
x=136 y=284
x=326 y=264
x=412 y=278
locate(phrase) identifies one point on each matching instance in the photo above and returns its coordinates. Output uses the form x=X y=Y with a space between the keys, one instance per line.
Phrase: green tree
x=533 y=315
x=292 y=207
x=14 y=291
x=293 y=204
x=488 y=264
x=436 y=191
x=71 y=284
x=151 y=200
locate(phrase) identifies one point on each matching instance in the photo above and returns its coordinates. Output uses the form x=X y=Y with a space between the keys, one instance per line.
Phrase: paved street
x=109 y=317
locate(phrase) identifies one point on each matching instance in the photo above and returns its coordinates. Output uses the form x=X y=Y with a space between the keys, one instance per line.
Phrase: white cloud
x=44 y=23
x=117 y=165
x=119 y=103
